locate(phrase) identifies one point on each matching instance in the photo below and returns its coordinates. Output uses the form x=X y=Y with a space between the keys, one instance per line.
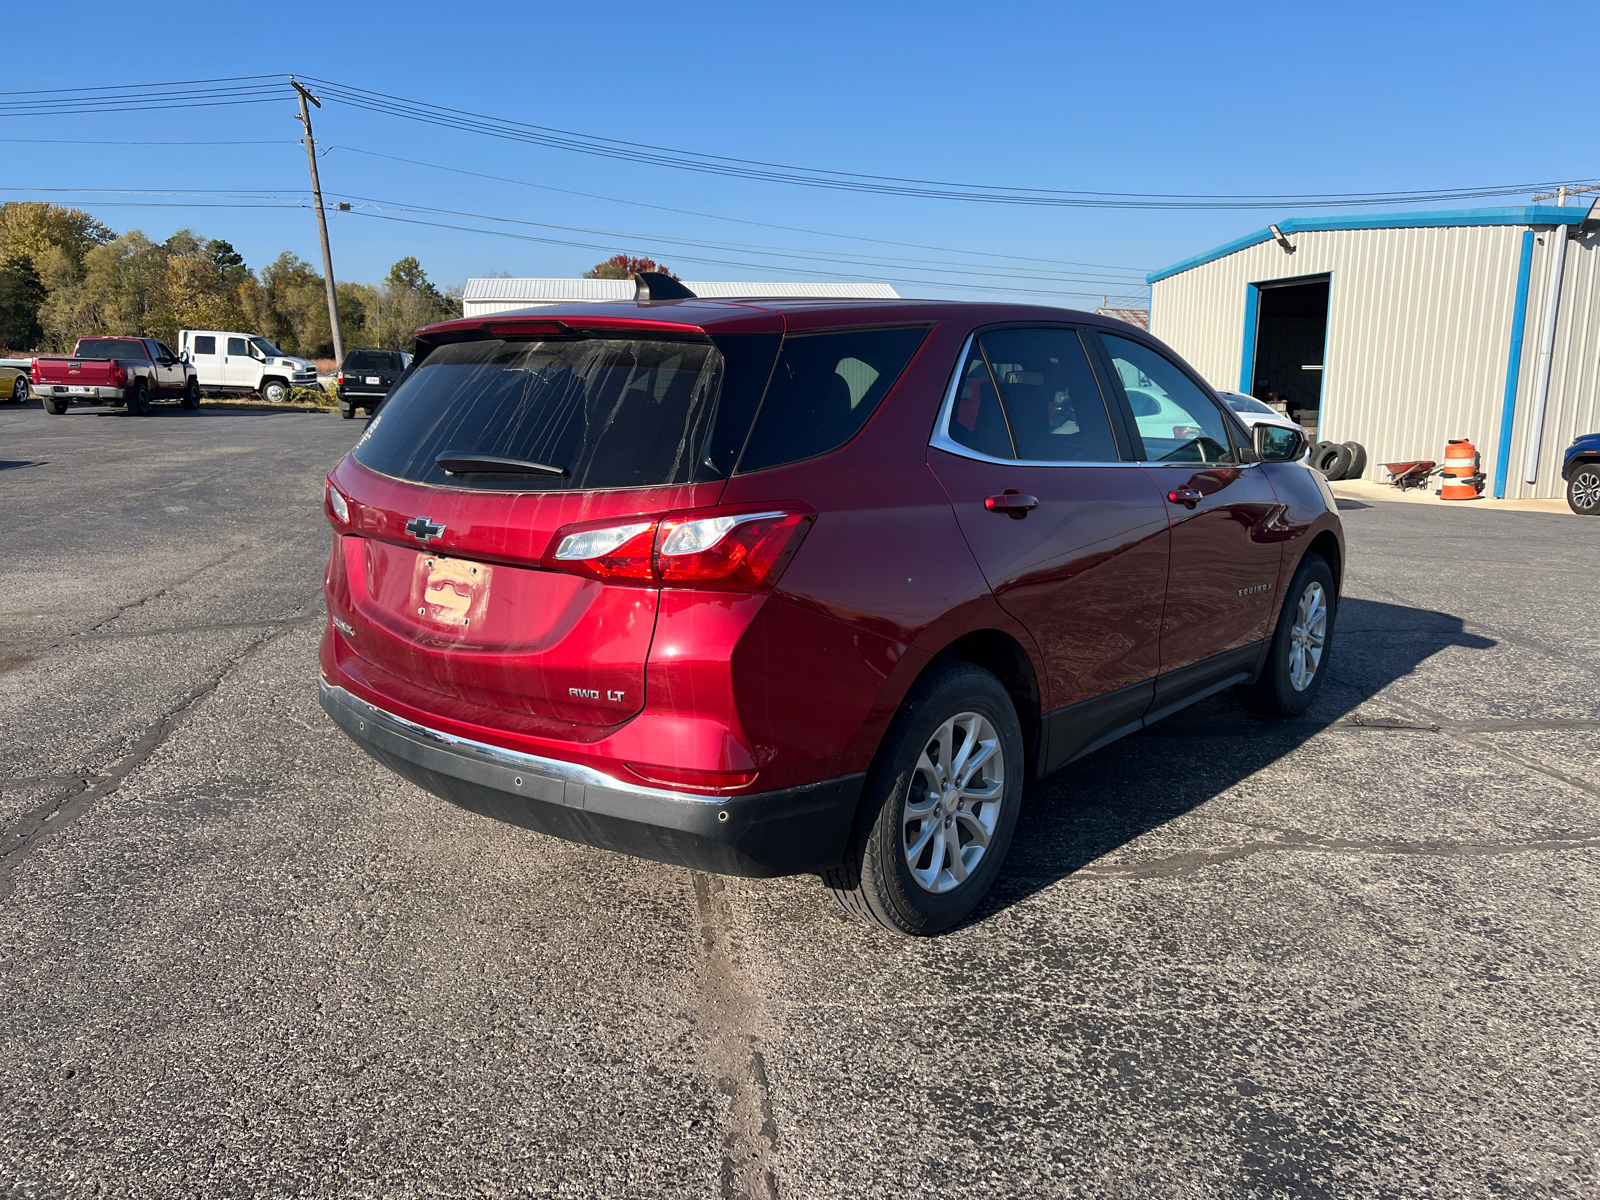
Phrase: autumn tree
x=623 y=266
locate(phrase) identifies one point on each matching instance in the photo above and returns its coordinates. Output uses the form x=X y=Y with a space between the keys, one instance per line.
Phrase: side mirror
x=183 y=357
x=1278 y=443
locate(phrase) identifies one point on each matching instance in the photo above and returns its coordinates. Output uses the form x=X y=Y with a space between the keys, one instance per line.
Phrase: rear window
x=611 y=413
x=823 y=389
x=205 y=345
x=372 y=360
x=103 y=349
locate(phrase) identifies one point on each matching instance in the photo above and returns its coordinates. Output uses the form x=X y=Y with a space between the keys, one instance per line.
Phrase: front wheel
x=274 y=391
x=19 y=390
x=1583 y=490
x=939 y=806
x=191 y=395
x=1297 y=662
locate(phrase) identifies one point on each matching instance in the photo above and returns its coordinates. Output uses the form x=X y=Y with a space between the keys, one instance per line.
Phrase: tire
x=19 y=390
x=1285 y=689
x=1358 y=461
x=1583 y=490
x=191 y=395
x=274 y=391
x=953 y=706
x=53 y=406
x=348 y=413
x=139 y=401
x=1333 y=462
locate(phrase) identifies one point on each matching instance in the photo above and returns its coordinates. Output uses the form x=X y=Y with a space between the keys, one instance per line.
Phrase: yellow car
x=14 y=380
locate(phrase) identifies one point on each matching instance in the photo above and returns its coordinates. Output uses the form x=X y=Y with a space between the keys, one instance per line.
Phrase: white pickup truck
x=229 y=363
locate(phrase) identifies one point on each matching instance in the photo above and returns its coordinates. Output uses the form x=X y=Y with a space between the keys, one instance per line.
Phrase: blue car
x=1580 y=467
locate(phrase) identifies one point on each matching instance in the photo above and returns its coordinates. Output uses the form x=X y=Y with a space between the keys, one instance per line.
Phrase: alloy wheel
x=1586 y=490
x=1308 y=636
x=952 y=806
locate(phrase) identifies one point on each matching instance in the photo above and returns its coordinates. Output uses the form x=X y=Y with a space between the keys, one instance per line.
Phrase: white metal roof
x=511 y=293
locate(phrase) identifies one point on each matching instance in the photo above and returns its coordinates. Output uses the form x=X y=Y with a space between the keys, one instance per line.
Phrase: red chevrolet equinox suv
x=764 y=587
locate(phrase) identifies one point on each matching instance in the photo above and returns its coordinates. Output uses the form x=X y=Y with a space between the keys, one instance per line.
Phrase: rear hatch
x=496 y=454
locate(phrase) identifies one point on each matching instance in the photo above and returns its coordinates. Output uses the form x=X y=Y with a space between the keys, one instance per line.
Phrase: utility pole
x=322 y=221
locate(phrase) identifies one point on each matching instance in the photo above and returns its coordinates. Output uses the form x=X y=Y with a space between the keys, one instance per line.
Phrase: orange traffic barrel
x=1460 y=477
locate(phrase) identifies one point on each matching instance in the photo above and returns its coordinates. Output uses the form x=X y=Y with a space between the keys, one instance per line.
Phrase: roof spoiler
x=653 y=285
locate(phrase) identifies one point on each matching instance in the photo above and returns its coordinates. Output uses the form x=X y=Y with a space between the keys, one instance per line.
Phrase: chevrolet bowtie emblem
x=423 y=529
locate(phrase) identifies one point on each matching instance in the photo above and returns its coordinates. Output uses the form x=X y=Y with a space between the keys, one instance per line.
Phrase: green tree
x=21 y=294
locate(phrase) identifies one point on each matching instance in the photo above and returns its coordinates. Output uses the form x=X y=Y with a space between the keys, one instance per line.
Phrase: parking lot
x=1352 y=955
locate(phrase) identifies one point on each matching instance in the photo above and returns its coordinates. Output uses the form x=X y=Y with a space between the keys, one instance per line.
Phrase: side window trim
x=1130 y=449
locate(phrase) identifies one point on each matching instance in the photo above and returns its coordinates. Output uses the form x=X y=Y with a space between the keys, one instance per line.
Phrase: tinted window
x=1177 y=421
x=237 y=346
x=1051 y=399
x=823 y=388
x=205 y=345
x=103 y=349
x=166 y=350
x=372 y=360
x=611 y=413
x=976 y=420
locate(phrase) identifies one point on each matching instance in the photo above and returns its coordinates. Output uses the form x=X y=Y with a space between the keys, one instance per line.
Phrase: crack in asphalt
x=59 y=813
x=249 y=623
x=1191 y=861
x=740 y=1069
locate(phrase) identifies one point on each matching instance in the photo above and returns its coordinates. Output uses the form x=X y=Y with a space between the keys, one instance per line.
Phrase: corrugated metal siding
x=1419 y=328
x=483 y=297
x=1573 y=405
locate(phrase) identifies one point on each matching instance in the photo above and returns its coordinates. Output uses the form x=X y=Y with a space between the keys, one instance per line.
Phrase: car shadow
x=7 y=464
x=1098 y=804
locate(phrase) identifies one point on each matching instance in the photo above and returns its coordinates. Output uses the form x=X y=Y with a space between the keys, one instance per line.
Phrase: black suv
x=365 y=378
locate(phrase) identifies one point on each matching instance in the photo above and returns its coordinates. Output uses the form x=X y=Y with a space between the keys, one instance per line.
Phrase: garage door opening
x=1291 y=334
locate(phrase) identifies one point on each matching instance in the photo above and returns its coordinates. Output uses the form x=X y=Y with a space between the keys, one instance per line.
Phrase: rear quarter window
x=823 y=388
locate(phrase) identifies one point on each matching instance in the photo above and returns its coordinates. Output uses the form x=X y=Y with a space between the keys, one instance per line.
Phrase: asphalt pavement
x=1353 y=955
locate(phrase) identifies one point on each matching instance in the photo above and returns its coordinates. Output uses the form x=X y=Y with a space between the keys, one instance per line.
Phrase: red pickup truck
x=117 y=371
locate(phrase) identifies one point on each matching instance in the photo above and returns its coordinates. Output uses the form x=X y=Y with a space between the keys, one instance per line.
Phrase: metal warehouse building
x=1402 y=331
x=485 y=297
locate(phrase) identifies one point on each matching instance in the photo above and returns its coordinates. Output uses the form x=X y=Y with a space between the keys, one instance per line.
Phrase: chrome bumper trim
x=551 y=771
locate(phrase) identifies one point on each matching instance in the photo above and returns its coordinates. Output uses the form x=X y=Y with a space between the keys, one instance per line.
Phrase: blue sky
x=1162 y=98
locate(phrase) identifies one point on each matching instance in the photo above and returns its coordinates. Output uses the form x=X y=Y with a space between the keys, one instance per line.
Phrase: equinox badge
x=423 y=529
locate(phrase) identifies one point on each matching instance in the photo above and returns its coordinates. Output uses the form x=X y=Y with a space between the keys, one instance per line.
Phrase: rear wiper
x=459 y=462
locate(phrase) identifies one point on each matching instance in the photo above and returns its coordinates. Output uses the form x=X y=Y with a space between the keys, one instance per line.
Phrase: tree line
x=64 y=275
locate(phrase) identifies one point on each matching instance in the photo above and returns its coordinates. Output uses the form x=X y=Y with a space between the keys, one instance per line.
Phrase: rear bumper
x=771 y=833
x=78 y=392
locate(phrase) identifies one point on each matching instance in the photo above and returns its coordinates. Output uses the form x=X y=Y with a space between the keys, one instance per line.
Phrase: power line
x=829 y=178
x=874 y=262
x=261 y=89
x=789 y=270
x=686 y=212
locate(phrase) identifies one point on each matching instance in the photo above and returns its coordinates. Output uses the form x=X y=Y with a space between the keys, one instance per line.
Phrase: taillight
x=118 y=375
x=339 y=382
x=337 y=505
x=606 y=552
x=728 y=551
x=740 y=551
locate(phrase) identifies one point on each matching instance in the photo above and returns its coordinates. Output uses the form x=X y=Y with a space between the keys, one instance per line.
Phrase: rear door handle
x=1186 y=496
x=1011 y=502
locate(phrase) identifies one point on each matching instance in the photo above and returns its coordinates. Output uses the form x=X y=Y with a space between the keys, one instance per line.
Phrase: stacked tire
x=1339 y=460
